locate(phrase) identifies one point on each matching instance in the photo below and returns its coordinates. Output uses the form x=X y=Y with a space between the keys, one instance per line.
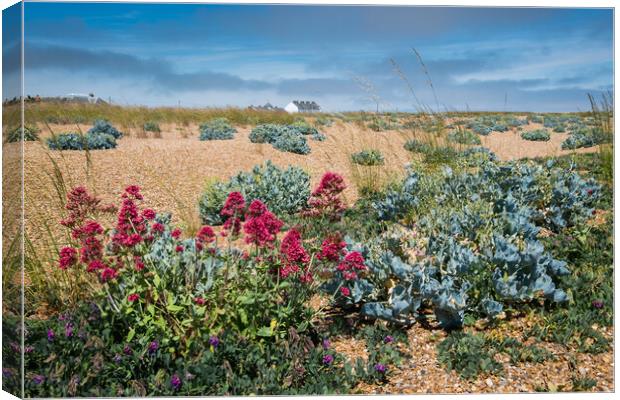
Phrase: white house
x=291 y=108
x=302 y=106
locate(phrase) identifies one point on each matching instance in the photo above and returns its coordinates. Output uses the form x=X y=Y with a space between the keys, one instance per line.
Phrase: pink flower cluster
x=130 y=224
x=294 y=257
x=233 y=211
x=325 y=200
x=261 y=226
x=332 y=248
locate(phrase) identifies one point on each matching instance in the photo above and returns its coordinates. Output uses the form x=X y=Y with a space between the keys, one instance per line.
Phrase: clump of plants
x=175 y=315
x=282 y=137
x=217 y=129
x=151 y=126
x=78 y=141
x=368 y=157
x=416 y=146
x=31 y=134
x=304 y=128
x=538 y=135
x=463 y=136
x=284 y=191
x=105 y=127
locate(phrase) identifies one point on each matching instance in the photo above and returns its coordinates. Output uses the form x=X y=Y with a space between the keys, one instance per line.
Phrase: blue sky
x=215 y=55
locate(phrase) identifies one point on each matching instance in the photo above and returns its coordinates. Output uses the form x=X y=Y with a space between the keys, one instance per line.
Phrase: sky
x=343 y=57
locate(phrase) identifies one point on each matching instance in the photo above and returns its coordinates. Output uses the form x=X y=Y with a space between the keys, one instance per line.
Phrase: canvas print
x=236 y=199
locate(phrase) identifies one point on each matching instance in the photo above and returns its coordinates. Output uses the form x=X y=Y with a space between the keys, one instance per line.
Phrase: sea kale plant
x=217 y=129
x=31 y=134
x=368 y=157
x=284 y=191
x=468 y=242
x=78 y=141
x=103 y=126
x=286 y=138
x=538 y=135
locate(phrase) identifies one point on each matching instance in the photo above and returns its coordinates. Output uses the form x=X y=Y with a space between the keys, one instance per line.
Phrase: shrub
x=77 y=141
x=304 y=128
x=282 y=137
x=578 y=140
x=31 y=134
x=284 y=191
x=368 y=157
x=217 y=129
x=267 y=133
x=292 y=142
x=151 y=126
x=416 y=146
x=463 y=137
x=103 y=126
x=319 y=137
x=538 y=135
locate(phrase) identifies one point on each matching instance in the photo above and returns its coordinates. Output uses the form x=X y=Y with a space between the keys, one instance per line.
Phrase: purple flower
x=15 y=347
x=7 y=373
x=597 y=304
x=38 y=379
x=175 y=382
x=117 y=358
x=69 y=329
x=153 y=346
x=388 y=339
x=328 y=359
x=50 y=335
x=214 y=341
x=326 y=344
x=380 y=368
x=28 y=349
x=127 y=350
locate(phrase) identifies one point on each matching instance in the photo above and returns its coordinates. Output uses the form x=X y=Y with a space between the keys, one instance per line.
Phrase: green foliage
x=77 y=141
x=31 y=134
x=368 y=157
x=463 y=137
x=105 y=127
x=284 y=191
x=304 y=128
x=151 y=126
x=538 y=135
x=282 y=137
x=474 y=354
x=468 y=354
x=217 y=129
x=415 y=146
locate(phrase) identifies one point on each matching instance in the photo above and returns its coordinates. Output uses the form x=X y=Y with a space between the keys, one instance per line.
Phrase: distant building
x=267 y=107
x=82 y=98
x=302 y=106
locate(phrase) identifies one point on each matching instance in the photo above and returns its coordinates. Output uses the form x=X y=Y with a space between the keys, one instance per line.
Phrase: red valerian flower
x=288 y=270
x=332 y=248
x=179 y=248
x=349 y=276
x=206 y=234
x=176 y=233
x=107 y=274
x=157 y=227
x=148 y=214
x=80 y=205
x=95 y=265
x=68 y=257
x=132 y=191
x=325 y=200
x=355 y=260
x=256 y=209
x=345 y=291
x=234 y=205
x=262 y=230
x=133 y=297
x=200 y=301
x=139 y=264
x=291 y=248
